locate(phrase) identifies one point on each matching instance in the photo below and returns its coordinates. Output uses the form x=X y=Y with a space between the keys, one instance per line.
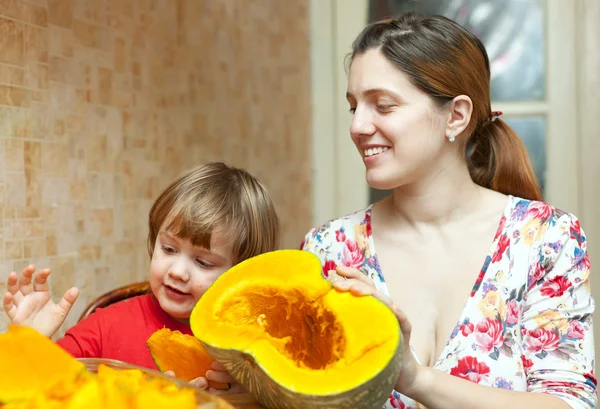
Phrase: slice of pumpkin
x=182 y=354
x=31 y=362
x=283 y=331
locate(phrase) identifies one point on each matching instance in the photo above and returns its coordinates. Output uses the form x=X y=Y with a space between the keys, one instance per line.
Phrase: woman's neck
x=442 y=198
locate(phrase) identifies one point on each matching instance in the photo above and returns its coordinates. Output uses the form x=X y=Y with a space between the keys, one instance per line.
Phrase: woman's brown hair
x=444 y=60
x=217 y=197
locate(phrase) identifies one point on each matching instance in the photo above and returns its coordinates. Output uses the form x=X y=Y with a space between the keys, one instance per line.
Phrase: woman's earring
x=451 y=137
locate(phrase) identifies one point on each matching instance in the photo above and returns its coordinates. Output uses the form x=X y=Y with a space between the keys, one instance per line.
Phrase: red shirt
x=120 y=331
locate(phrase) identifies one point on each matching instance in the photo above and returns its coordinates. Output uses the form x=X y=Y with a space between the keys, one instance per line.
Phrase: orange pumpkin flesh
x=183 y=354
x=294 y=341
x=29 y=361
x=37 y=373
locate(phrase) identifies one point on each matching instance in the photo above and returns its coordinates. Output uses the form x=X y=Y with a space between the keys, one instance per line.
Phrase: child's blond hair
x=217 y=196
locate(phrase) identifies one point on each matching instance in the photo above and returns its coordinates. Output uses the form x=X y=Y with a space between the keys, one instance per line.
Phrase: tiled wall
x=102 y=102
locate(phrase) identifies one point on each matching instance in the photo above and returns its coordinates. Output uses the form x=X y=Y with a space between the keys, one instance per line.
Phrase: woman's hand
x=27 y=301
x=360 y=285
x=218 y=373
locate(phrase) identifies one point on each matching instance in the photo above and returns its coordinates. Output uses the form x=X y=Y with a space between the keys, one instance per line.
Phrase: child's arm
x=27 y=301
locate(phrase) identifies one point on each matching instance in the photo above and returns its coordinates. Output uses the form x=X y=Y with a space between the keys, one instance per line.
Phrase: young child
x=209 y=219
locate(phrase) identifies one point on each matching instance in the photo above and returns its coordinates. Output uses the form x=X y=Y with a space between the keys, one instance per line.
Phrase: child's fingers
x=40 y=283
x=12 y=286
x=25 y=280
x=67 y=301
x=9 y=306
x=169 y=373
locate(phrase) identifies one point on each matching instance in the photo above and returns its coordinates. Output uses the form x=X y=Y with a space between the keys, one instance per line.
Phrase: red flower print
x=478 y=282
x=512 y=312
x=590 y=377
x=503 y=244
x=500 y=227
x=396 y=403
x=542 y=339
x=329 y=265
x=539 y=210
x=488 y=334
x=351 y=255
x=556 y=287
x=340 y=236
x=537 y=274
x=471 y=369
x=567 y=386
x=576 y=330
x=368 y=225
x=584 y=264
x=303 y=243
x=575 y=229
x=467 y=328
x=527 y=363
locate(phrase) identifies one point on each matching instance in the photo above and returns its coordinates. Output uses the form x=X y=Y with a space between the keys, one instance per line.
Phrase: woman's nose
x=362 y=123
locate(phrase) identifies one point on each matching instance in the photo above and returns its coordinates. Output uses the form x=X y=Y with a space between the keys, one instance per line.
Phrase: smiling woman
x=499 y=279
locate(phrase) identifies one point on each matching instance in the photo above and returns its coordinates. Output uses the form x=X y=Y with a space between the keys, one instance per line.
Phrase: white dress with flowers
x=527 y=325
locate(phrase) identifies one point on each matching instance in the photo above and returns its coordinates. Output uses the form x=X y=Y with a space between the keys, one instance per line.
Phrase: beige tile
x=35 y=44
x=13 y=249
x=90 y=252
x=16 y=96
x=87 y=34
x=11 y=75
x=11 y=41
x=63 y=275
x=2 y=205
x=14 y=155
x=15 y=189
x=55 y=159
x=60 y=12
x=33 y=248
x=13 y=8
x=51 y=246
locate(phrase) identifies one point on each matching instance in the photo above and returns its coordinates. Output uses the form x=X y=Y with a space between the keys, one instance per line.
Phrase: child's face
x=180 y=272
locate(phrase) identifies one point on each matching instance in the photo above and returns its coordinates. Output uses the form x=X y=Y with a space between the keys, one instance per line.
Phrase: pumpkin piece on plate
x=181 y=353
x=34 y=363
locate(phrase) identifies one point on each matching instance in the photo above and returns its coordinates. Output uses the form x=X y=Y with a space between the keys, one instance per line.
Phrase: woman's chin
x=379 y=181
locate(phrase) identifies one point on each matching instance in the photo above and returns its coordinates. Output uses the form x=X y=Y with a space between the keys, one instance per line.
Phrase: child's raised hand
x=27 y=301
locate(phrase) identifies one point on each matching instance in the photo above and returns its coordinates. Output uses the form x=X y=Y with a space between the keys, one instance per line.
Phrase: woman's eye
x=383 y=107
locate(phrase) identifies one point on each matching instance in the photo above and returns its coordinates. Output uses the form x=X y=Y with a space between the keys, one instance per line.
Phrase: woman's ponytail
x=499 y=161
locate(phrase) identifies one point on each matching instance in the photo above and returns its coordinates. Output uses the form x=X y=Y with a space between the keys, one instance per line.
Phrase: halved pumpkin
x=30 y=362
x=181 y=353
x=283 y=331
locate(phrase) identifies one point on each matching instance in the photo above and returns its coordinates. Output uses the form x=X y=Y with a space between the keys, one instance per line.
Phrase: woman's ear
x=459 y=115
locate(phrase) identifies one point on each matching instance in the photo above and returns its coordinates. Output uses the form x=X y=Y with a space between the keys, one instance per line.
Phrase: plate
x=204 y=399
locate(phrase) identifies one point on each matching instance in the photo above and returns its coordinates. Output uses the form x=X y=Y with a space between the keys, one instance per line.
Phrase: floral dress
x=527 y=325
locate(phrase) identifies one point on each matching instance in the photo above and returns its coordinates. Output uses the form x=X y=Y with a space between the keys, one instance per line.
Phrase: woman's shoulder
x=540 y=225
x=526 y=212
x=339 y=229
